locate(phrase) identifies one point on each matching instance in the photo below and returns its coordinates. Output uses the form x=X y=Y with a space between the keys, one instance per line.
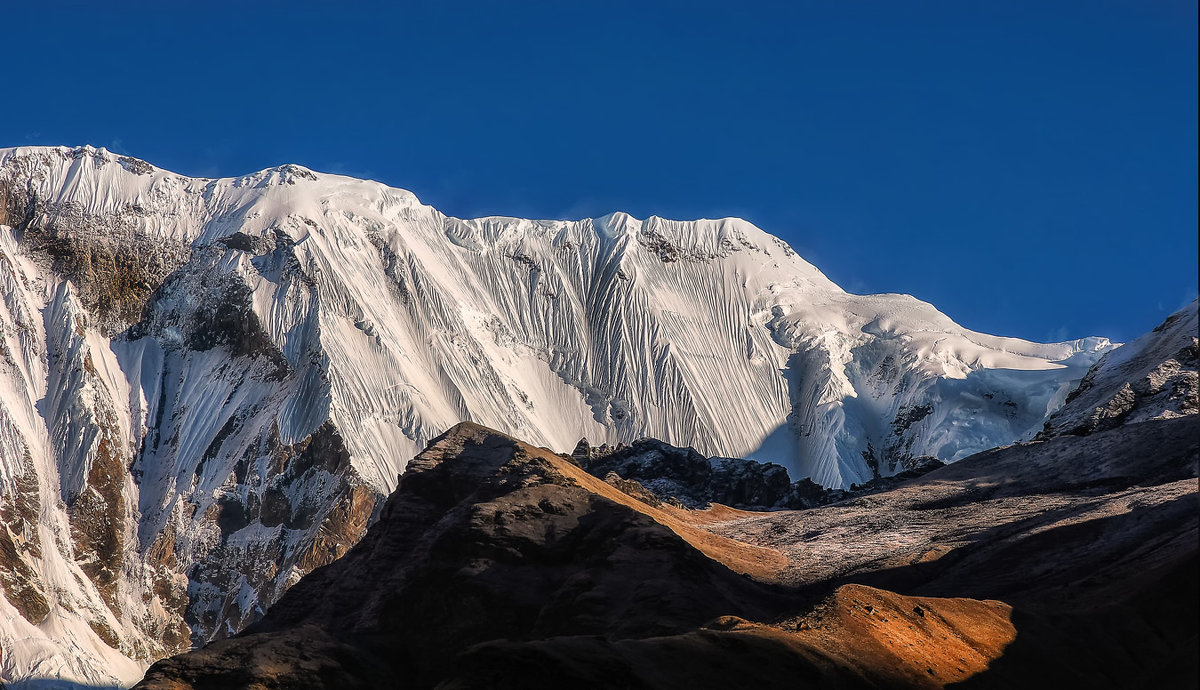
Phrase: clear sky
x=1028 y=167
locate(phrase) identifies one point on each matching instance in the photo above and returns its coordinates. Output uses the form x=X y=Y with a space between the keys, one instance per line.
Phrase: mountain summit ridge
x=792 y=310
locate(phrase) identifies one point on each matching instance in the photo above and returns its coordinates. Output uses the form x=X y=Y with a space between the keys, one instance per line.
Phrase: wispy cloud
x=1058 y=335
x=1189 y=296
x=344 y=168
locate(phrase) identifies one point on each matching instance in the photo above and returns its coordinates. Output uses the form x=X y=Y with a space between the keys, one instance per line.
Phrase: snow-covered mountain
x=206 y=386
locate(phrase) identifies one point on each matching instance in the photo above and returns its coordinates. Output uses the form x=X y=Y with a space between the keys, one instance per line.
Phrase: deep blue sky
x=1030 y=168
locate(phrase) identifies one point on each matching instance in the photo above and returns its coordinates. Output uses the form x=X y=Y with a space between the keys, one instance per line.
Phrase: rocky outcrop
x=20 y=544
x=1153 y=377
x=113 y=264
x=686 y=478
x=313 y=529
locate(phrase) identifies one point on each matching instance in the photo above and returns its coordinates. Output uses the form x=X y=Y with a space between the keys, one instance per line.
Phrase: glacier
x=228 y=375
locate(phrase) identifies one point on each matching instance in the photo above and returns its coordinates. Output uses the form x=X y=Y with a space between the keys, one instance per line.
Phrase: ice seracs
x=255 y=359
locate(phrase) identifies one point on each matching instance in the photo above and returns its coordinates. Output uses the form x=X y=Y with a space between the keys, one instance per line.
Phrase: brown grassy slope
x=1092 y=540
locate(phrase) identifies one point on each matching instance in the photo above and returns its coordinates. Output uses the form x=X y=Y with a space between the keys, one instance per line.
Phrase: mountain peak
x=233 y=373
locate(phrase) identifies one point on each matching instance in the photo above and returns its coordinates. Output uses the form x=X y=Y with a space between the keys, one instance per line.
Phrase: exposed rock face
x=683 y=476
x=20 y=548
x=313 y=528
x=1154 y=377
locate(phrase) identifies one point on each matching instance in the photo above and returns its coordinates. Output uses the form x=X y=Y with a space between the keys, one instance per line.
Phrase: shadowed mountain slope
x=496 y=564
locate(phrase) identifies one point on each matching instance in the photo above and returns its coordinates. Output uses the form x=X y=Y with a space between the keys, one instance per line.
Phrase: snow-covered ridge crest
x=680 y=273
x=271 y=349
x=357 y=238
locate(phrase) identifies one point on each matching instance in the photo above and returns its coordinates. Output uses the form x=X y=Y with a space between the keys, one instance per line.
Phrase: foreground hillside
x=1070 y=561
x=496 y=564
x=499 y=564
x=209 y=386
